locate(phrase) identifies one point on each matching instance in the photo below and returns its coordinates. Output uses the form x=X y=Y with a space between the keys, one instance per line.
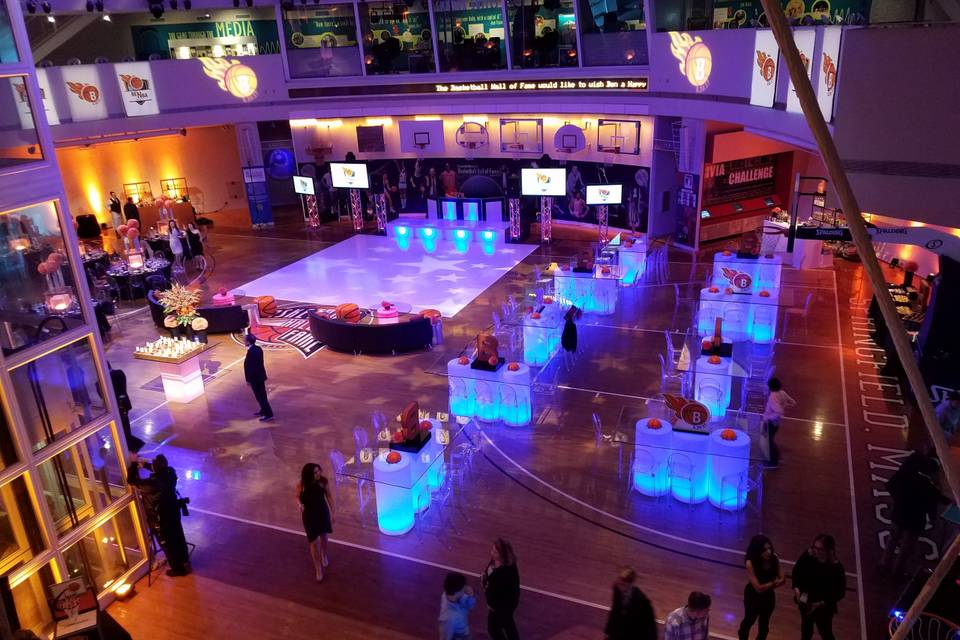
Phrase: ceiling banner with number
x=137 y=90
x=84 y=92
x=766 y=59
x=805 y=40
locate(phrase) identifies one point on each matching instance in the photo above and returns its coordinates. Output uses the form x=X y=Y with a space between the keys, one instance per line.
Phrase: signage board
x=543 y=182
x=303 y=185
x=137 y=89
x=765 y=61
x=346 y=175
x=805 y=40
x=604 y=193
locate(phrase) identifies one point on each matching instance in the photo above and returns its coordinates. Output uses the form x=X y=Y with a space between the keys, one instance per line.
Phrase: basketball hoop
x=927 y=627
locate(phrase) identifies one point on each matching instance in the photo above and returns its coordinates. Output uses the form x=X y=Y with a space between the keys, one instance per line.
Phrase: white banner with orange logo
x=805 y=40
x=19 y=88
x=766 y=54
x=827 y=70
x=136 y=88
x=84 y=92
x=46 y=95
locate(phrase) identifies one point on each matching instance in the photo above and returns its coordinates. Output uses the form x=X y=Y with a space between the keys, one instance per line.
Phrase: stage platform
x=366 y=269
x=430 y=230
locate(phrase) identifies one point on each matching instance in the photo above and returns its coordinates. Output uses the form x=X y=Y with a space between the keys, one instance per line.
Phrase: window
x=20 y=535
x=30 y=597
x=322 y=41
x=396 y=37
x=37 y=292
x=58 y=393
x=613 y=32
x=8 y=452
x=106 y=553
x=8 y=48
x=20 y=144
x=542 y=35
x=174 y=187
x=139 y=191
x=469 y=38
x=83 y=480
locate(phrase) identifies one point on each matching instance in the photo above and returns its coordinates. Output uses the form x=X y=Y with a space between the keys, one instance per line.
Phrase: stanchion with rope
x=861 y=239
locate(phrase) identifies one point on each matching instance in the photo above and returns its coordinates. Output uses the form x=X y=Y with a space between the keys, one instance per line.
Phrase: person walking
x=256 y=377
x=764 y=575
x=778 y=401
x=130 y=211
x=691 y=622
x=915 y=498
x=501 y=588
x=317 y=510
x=455 y=603
x=631 y=614
x=819 y=583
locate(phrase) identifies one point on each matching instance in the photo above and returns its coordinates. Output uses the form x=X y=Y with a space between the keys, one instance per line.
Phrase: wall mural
x=409 y=182
x=736 y=14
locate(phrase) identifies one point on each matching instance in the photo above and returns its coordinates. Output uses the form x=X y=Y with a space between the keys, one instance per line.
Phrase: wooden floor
x=547 y=488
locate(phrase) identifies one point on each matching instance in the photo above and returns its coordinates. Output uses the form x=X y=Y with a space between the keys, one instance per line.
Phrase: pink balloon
x=56 y=258
x=133 y=223
x=42 y=269
x=122 y=229
x=133 y=232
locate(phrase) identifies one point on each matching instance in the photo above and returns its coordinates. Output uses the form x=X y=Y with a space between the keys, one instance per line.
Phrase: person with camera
x=164 y=507
x=819 y=583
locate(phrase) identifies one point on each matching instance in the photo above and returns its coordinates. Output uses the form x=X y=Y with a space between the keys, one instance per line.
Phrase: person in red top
x=448 y=180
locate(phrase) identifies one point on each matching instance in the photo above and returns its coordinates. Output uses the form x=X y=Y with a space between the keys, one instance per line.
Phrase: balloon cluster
x=53 y=262
x=129 y=230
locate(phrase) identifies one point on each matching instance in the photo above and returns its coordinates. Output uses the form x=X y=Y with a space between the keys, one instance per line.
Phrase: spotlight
x=173 y=5
x=31 y=7
x=156 y=8
x=99 y=5
x=303 y=2
x=46 y=6
x=89 y=6
x=236 y=4
x=51 y=20
x=250 y=3
x=286 y=5
x=187 y=4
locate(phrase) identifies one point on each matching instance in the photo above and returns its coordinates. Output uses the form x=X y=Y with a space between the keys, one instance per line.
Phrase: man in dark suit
x=256 y=376
x=130 y=211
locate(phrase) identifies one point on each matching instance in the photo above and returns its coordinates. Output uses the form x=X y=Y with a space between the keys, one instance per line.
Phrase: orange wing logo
x=829 y=73
x=768 y=67
x=86 y=92
x=690 y=411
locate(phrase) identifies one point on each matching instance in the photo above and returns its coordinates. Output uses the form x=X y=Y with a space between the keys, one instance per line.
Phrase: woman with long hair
x=176 y=239
x=765 y=575
x=819 y=583
x=317 y=510
x=501 y=587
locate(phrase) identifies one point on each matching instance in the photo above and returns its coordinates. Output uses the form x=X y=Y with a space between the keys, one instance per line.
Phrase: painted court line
x=428 y=563
x=166 y=402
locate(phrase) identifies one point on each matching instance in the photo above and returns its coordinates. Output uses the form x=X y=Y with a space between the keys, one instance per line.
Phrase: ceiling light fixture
x=46 y=6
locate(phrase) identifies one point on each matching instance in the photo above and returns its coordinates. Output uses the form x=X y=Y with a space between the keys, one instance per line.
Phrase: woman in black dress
x=759 y=599
x=501 y=587
x=317 y=510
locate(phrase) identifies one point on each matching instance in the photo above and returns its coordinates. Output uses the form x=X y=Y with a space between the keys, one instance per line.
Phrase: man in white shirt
x=691 y=622
x=777 y=403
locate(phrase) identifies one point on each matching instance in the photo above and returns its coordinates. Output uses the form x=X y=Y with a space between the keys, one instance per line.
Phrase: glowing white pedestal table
x=689 y=467
x=746 y=317
x=403 y=489
x=651 y=475
x=746 y=274
x=729 y=463
x=181 y=377
x=594 y=292
x=541 y=336
x=711 y=384
x=490 y=395
x=633 y=261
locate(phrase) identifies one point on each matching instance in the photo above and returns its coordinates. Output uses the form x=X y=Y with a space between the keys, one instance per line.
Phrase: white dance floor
x=367 y=269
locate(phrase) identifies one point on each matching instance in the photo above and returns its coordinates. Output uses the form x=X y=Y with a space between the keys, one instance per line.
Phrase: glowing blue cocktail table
x=490 y=395
x=594 y=292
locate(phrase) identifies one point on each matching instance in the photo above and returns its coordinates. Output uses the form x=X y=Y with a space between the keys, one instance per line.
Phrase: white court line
x=166 y=402
x=428 y=563
x=853 y=496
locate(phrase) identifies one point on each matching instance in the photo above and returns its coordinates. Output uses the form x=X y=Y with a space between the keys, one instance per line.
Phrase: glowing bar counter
x=403 y=489
x=748 y=275
x=746 y=317
x=490 y=395
x=594 y=292
x=729 y=464
x=651 y=475
x=181 y=376
x=541 y=336
x=689 y=467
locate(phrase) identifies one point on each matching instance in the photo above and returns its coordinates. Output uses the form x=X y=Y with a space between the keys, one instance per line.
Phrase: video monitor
x=543 y=182
x=604 y=194
x=346 y=175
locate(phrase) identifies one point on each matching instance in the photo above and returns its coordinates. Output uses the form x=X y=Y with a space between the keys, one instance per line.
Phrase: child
x=777 y=403
x=455 y=604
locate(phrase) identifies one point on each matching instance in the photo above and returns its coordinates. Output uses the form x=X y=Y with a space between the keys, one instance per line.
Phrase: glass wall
x=30 y=599
x=470 y=35
x=613 y=32
x=58 y=393
x=107 y=552
x=37 y=291
x=542 y=34
x=321 y=41
x=396 y=37
x=8 y=48
x=19 y=144
x=21 y=537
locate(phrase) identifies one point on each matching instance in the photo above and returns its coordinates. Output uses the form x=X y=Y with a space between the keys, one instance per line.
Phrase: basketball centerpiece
x=413 y=435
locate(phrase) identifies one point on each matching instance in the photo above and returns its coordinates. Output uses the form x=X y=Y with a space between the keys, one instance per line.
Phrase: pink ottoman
x=387 y=314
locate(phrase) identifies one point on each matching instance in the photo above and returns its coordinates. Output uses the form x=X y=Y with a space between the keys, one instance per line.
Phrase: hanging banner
x=766 y=60
x=827 y=70
x=805 y=40
x=49 y=109
x=136 y=88
x=84 y=92
x=19 y=88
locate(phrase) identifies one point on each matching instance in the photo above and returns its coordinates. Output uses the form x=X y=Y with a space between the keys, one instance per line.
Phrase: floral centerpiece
x=180 y=304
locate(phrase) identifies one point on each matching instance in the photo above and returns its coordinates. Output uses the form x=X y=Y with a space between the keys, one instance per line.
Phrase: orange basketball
x=426 y=425
x=463 y=360
x=393 y=457
x=728 y=291
x=513 y=366
x=604 y=270
x=714 y=289
x=714 y=360
x=267 y=306
x=728 y=434
x=535 y=315
x=547 y=299
x=727 y=253
x=653 y=423
x=764 y=294
x=493 y=361
x=348 y=312
x=706 y=345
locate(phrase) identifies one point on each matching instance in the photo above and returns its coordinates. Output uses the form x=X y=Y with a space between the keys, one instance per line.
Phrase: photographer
x=163 y=506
